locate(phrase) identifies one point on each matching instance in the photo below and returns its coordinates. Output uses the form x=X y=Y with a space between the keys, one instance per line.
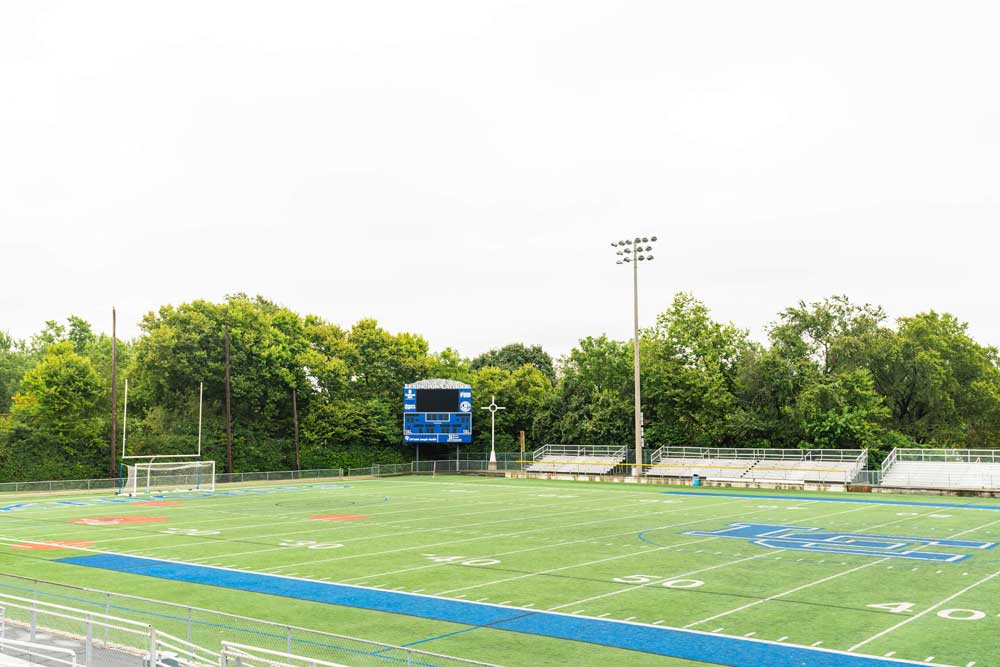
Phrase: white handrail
x=230 y=649
x=42 y=651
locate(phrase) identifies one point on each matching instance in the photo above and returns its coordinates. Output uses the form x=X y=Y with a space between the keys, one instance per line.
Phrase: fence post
x=189 y=625
x=107 y=612
x=88 y=651
x=152 y=646
x=288 y=639
x=34 y=620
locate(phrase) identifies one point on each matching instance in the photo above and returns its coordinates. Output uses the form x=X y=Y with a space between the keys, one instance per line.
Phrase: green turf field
x=608 y=551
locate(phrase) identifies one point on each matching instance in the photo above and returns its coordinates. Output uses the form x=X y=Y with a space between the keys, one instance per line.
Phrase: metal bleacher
x=839 y=466
x=576 y=459
x=971 y=469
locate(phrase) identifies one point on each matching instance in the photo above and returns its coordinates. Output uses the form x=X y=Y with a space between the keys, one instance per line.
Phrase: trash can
x=695 y=480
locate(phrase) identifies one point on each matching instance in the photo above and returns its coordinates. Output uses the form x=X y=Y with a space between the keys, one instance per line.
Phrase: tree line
x=832 y=374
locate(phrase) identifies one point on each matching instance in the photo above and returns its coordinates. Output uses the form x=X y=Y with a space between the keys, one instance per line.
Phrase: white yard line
x=834 y=576
x=628 y=555
x=89 y=531
x=505 y=511
x=686 y=574
x=925 y=611
x=558 y=544
x=458 y=541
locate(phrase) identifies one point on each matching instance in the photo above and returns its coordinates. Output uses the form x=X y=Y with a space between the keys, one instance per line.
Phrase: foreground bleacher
x=576 y=459
x=969 y=469
x=796 y=466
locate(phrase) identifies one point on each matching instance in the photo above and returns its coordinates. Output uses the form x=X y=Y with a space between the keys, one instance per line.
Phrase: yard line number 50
x=662 y=581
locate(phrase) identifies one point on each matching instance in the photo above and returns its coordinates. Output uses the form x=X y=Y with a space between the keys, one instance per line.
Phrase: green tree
x=592 y=404
x=942 y=388
x=515 y=355
x=57 y=430
x=841 y=411
x=689 y=373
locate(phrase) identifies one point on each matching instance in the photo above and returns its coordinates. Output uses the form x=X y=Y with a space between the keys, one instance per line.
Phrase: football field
x=531 y=572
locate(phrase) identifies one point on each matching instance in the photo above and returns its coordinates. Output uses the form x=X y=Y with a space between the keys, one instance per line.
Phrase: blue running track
x=686 y=644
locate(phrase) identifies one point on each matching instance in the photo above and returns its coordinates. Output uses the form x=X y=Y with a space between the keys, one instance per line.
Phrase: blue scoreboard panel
x=437 y=415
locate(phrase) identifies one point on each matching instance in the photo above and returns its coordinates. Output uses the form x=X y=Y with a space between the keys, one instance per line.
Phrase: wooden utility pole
x=295 y=421
x=229 y=413
x=522 y=445
x=114 y=394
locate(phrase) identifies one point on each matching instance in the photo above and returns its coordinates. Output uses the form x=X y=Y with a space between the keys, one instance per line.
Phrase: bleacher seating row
x=904 y=468
x=942 y=475
x=841 y=472
x=576 y=459
x=590 y=465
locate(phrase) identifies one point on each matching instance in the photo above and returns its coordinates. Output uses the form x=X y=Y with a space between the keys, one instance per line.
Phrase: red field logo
x=119 y=520
x=338 y=517
x=49 y=546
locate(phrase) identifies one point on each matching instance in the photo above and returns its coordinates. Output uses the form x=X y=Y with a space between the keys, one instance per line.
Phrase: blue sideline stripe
x=760 y=496
x=685 y=644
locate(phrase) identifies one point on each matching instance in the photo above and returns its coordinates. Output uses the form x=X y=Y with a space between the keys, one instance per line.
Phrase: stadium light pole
x=493 y=407
x=632 y=252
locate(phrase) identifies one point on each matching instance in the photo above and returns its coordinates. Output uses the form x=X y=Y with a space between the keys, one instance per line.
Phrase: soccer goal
x=145 y=478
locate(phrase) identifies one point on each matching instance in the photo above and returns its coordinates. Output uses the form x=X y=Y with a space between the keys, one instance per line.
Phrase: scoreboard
x=437 y=411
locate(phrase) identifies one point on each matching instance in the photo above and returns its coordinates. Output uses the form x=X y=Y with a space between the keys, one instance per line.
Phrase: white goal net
x=166 y=477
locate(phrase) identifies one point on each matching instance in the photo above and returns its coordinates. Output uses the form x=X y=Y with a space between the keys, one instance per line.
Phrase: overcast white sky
x=458 y=169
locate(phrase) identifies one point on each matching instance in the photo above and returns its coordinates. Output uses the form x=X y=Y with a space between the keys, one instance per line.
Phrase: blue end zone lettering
x=799 y=538
x=657 y=640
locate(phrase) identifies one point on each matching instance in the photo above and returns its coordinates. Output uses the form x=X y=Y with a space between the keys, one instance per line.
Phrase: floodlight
x=653 y=239
x=614 y=244
x=627 y=259
x=618 y=262
x=648 y=248
x=645 y=239
x=649 y=257
x=628 y=250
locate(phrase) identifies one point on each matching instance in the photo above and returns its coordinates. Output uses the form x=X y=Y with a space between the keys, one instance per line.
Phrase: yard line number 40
x=950 y=614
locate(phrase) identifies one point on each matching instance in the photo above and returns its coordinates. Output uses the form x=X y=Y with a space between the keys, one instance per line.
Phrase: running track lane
x=686 y=644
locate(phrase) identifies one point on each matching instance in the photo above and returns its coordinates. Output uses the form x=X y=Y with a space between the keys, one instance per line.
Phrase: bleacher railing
x=945 y=455
x=103 y=639
x=579 y=450
x=199 y=627
x=838 y=455
x=34 y=653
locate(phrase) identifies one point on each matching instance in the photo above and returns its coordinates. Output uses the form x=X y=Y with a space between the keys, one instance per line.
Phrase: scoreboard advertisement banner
x=437 y=414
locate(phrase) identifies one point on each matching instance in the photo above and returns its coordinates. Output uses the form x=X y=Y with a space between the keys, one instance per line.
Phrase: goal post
x=146 y=478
